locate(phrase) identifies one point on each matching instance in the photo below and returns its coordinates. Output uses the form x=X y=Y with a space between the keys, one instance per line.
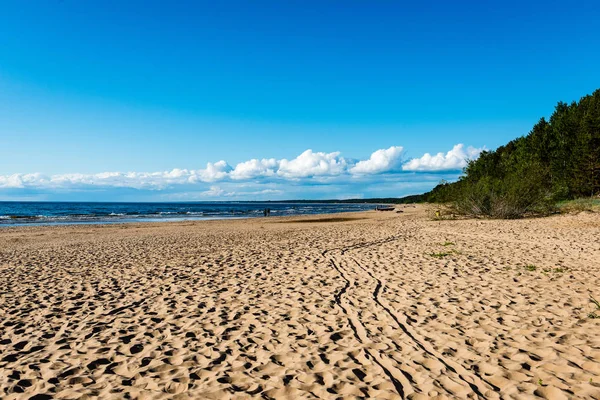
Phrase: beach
x=368 y=304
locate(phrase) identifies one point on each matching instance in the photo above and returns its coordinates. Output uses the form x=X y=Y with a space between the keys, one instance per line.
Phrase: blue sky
x=152 y=92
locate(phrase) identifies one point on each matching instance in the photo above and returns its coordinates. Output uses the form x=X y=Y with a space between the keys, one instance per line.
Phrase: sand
x=381 y=305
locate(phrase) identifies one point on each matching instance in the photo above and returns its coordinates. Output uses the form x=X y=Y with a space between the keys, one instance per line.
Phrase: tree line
x=558 y=160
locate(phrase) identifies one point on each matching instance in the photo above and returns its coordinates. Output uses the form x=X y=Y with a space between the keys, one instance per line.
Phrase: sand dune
x=379 y=305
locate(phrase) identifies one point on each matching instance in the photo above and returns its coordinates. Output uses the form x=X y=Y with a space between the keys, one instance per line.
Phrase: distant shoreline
x=418 y=198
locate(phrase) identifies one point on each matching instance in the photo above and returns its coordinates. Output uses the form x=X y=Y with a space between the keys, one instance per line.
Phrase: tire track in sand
x=475 y=382
x=400 y=382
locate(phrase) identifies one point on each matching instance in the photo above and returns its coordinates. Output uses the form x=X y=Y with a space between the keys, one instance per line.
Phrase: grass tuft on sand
x=579 y=205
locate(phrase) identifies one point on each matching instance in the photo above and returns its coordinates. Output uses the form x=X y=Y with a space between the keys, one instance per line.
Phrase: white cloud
x=314 y=167
x=268 y=191
x=255 y=168
x=384 y=160
x=312 y=164
x=213 y=172
x=136 y=180
x=176 y=173
x=215 y=191
x=455 y=159
x=11 y=181
x=20 y=181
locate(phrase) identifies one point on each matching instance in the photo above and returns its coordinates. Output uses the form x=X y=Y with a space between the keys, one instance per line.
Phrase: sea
x=54 y=213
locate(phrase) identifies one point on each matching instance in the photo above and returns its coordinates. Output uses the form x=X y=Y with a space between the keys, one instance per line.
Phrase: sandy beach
x=383 y=305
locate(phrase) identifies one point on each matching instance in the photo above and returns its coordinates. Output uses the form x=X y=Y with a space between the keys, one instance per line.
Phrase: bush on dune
x=513 y=196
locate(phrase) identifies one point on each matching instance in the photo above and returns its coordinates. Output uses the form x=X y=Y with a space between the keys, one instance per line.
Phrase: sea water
x=50 y=213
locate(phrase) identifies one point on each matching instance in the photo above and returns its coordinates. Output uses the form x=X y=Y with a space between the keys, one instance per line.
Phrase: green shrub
x=517 y=194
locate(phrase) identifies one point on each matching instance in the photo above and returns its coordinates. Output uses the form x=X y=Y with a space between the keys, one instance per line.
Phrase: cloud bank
x=308 y=167
x=384 y=160
x=454 y=159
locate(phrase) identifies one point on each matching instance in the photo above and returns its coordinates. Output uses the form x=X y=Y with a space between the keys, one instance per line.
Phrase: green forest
x=558 y=160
